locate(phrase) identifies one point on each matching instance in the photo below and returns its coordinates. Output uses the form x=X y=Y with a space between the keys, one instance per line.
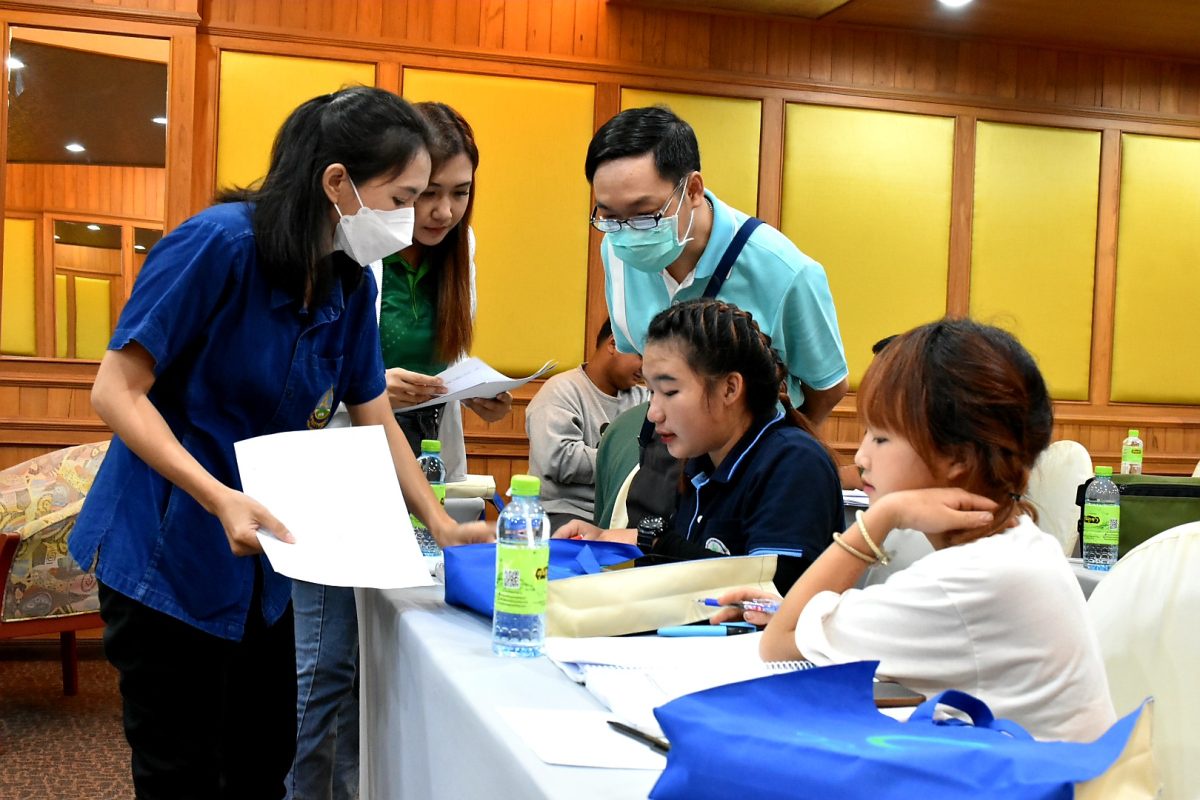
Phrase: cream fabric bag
x=647 y=598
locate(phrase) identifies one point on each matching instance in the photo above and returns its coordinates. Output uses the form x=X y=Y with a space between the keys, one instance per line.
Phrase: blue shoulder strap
x=725 y=265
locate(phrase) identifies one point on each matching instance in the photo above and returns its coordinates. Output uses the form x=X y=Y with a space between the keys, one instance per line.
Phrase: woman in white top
x=956 y=413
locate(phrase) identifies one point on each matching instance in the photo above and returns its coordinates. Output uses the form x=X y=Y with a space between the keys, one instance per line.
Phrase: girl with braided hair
x=956 y=413
x=757 y=480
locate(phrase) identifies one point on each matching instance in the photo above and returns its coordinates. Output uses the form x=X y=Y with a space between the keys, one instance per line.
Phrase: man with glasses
x=668 y=239
x=666 y=236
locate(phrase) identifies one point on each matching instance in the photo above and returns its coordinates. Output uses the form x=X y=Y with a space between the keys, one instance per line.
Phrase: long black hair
x=372 y=132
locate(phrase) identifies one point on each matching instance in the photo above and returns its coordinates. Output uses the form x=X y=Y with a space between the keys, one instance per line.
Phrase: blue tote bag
x=817 y=734
x=471 y=568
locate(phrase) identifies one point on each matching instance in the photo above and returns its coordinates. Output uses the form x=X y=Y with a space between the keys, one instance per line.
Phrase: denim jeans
x=326 y=765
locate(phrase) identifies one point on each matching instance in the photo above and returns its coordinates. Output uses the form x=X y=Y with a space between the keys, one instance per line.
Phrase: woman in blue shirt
x=757 y=481
x=252 y=317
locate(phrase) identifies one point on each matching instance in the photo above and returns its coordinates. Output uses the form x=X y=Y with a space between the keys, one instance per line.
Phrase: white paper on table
x=855 y=498
x=337 y=492
x=472 y=378
x=578 y=738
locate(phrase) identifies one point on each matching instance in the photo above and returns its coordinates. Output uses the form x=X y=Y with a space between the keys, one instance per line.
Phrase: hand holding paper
x=338 y=490
x=243 y=517
x=473 y=378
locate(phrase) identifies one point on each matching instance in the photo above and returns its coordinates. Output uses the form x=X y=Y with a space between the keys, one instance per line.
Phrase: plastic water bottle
x=522 y=572
x=433 y=467
x=431 y=464
x=1131 y=454
x=1101 y=521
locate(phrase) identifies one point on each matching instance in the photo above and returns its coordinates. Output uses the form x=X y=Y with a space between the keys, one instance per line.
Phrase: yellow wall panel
x=1033 y=248
x=256 y=95
x=531 y=212
x=729 y=131
x=61 y=332
x=867 y=193
x=1156 y=341
x=93 y=321
x=18 y=329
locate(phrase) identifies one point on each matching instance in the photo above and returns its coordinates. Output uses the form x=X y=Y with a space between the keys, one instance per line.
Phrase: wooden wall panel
x=894 y=63
x=131 y=192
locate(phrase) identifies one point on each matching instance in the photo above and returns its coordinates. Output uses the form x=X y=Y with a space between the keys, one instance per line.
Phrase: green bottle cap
x=525 y=486
x=1133 y=432
x=431 y=446
x=1103 y=472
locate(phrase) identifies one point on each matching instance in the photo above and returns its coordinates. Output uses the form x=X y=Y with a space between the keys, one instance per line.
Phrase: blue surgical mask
x=654 y=250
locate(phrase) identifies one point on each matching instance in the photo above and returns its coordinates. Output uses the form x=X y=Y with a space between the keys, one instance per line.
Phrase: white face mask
x=370 y=235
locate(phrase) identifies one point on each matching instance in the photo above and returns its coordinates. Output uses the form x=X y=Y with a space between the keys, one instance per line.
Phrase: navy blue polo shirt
x=777 y=491
x=235 y=357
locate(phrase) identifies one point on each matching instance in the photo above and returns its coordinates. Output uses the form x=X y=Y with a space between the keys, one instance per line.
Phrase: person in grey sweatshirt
x=564 y=422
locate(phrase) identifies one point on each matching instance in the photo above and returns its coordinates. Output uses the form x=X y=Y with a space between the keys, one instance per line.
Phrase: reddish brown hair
x=969 y=391
x=452 y=135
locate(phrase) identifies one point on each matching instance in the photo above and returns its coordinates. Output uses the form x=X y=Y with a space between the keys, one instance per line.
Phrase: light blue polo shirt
x=234 y=357
x=785 y=291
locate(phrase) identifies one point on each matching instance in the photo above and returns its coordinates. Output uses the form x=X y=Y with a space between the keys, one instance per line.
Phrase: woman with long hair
x=252 y=317
x=426 y=316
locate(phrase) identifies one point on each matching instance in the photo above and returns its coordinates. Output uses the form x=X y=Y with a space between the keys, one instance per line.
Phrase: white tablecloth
x=430 y=689
x=1088 y=578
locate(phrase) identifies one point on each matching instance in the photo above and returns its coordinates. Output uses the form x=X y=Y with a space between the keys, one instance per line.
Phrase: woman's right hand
x=405 y=388
x=740 y=595
x=243 y=517
x=930 y=511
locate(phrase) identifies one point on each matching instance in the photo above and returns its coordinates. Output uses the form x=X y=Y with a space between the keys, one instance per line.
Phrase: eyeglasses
x=642 y=222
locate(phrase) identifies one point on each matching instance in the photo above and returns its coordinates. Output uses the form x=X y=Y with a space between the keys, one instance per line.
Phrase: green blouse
x=408 y=316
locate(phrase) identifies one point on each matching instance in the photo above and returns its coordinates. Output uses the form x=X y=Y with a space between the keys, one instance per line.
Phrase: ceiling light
x=93 y=227
x=160 y=120
x=954 y=3
x=15 y=63
x=76 y=147
x=139 y=247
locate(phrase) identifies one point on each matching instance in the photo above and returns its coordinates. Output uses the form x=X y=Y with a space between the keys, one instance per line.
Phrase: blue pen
x=725 y=629
x=765 y=606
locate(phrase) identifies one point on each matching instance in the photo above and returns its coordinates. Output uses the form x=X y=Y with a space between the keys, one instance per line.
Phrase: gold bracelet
x=852 y=550
x=862 y=528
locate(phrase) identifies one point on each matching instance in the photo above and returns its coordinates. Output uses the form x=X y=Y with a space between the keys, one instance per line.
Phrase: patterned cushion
x=45 y=581
x=47 y=483
x=39 y=500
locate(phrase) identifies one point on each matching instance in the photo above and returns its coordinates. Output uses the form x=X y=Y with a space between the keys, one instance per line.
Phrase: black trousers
x=205 y=717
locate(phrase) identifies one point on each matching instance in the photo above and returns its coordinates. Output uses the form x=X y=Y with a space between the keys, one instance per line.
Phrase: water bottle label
x=439 y=491
x=521 y=579
x=1131 y=455
x=1101 y=524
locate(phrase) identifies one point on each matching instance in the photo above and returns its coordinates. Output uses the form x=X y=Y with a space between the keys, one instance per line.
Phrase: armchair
x=44 y=590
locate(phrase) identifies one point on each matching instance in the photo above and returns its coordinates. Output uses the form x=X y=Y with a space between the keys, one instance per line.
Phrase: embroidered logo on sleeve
x=717 y=546
x=320 y=415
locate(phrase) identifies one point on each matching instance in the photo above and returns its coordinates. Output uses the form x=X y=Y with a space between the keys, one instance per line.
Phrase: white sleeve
x=909 y=624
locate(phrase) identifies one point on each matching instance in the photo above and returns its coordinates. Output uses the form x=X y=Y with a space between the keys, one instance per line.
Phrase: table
x=429 y=690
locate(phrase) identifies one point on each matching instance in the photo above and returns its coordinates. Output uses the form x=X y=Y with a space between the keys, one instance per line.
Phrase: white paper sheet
x=576 y=738
x=336 y=490
x=473 y=378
